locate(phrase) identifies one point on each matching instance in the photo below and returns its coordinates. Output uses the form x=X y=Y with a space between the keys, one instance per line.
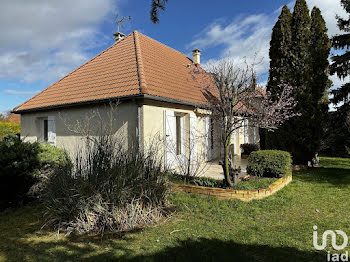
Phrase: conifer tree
x=280 y=57
x=320 y=47
x=341 y=96
x=299 y=130
x=341 y=63
x=307 y=71
x=280 y=70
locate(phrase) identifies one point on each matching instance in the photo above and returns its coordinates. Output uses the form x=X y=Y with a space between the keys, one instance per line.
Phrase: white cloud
x=329 y=9
x=245 y=38
x=21 y=93
x=46 y=39
x=249 y=36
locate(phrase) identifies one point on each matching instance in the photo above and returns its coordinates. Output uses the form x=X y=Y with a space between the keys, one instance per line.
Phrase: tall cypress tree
x=341 y=67
x=295 y=136
x=301 y=23
x=280 y=69
x=300 y=135
x=280 y=57
x=320 y=47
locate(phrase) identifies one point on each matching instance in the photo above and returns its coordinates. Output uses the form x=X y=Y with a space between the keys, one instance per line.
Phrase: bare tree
x=190 y=163
x=233 y=96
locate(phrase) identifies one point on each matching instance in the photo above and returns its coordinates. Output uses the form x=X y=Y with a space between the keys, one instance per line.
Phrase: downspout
x=139 y=126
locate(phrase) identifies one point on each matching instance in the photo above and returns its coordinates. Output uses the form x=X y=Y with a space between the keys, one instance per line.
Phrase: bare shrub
x=191 y=163
x=107 y=187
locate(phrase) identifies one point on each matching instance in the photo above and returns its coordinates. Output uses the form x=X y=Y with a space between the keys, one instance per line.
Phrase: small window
x=46 y=131
x=178 y=135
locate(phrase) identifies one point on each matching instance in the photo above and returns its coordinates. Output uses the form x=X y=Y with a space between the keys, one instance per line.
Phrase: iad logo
x=333 y=236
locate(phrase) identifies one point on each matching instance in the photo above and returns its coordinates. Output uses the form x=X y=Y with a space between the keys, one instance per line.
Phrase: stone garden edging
x=245 y=195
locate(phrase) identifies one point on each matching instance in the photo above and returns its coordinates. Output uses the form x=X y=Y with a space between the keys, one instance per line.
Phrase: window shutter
x=246 y=131
x=169 y=138
x=183 y=141
x=207 y=137
x=193 y=136
x=51 y=127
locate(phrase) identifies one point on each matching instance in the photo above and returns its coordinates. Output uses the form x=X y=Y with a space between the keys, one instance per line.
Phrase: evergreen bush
x=269 y=163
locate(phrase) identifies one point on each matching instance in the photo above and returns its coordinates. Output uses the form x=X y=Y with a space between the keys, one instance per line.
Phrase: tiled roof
x=13 y=118
x=136 y=65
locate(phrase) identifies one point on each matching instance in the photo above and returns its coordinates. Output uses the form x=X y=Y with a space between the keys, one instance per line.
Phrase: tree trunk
x=226 y=162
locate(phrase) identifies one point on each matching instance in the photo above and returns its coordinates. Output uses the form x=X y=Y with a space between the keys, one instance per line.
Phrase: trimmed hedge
x=269 y=163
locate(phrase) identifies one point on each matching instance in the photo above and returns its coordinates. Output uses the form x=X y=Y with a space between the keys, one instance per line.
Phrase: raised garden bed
x=247 y=182
x=245 y=195
x=269 y=171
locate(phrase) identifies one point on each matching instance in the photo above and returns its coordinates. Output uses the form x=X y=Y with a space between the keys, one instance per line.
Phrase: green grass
x=278 y=228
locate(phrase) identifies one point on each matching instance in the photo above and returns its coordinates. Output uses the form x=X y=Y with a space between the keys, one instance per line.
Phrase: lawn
x=278 y=228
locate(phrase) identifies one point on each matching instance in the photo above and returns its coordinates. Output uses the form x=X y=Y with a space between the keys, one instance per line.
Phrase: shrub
x=9 y=128
x=51 y=156
x=106 y=188
x=18 y=160
x=24 y=168
x=269 y=163
x=208 y=182
x=248 y=148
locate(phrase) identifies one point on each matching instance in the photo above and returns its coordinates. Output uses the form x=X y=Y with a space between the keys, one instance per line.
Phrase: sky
x=42 y=41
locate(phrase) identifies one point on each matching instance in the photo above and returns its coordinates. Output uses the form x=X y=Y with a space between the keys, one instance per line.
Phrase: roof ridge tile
x=139 y=64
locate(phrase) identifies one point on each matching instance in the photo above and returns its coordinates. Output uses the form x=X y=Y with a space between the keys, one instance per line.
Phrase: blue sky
x=41 y=41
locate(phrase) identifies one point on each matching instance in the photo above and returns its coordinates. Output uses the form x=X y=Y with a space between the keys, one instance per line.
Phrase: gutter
x=106 y=100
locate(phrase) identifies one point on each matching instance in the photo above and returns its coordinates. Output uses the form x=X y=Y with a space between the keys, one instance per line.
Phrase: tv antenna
x=121 y=21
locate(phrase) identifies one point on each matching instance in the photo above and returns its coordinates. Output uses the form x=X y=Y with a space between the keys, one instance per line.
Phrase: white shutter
x=208 y=137
x=51 y=127
x=170 y=138
x=255 y=140
x=246 y=131
x=193 y=136
x=183 y=141
x=214 y=137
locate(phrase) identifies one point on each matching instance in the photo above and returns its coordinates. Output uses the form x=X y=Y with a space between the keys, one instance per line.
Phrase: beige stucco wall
x=125 y=126
x=69 y=135
x=153 y=124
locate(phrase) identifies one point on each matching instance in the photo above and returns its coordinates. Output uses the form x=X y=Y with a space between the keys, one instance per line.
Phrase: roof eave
x=99 y=101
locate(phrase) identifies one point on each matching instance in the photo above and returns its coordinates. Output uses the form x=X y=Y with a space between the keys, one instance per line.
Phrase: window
x=48 y=130
x=178 y=135
x=45 y=131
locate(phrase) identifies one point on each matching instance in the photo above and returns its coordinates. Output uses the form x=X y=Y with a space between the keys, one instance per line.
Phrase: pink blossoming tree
x=234 y=96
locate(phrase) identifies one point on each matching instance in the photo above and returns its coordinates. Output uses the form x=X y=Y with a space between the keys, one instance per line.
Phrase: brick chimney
x=196 y=56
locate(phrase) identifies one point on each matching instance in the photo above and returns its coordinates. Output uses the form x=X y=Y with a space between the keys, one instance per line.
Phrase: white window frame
x=51 y=130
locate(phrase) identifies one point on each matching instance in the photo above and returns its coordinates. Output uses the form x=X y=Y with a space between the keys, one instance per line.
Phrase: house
x=157 y=95
x=15 y=118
